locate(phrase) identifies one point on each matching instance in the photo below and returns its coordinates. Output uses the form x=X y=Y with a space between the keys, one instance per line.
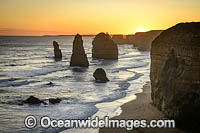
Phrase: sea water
x=27 y=65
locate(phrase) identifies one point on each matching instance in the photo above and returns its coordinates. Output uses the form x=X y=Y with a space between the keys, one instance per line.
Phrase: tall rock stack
x=104 y=47
x=57 y=51
x=175 y=74
x=78 y=58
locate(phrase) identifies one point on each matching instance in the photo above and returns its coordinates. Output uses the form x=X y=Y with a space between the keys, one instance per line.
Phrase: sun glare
x=141 y=30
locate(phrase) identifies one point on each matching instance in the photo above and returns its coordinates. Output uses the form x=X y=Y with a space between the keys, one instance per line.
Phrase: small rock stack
x=104 y=47
x=100 y=75
x=57 y=51
x=78 y=58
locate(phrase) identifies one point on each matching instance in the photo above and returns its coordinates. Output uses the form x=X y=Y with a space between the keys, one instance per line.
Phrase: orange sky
x=53 y=17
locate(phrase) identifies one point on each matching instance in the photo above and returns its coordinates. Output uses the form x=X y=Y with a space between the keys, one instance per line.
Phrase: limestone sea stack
x=104 y=47
x=175 y=74
x=100 y=75
x=78 y=58
x=57 y=51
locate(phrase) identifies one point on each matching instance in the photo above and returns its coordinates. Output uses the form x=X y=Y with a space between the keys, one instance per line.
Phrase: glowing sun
x=141 y=30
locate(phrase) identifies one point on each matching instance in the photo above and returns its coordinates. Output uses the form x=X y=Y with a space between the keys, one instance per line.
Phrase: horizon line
x=71 y=34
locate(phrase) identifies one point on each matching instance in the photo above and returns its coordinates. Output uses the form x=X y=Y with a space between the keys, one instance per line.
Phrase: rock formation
x=104 y=47
x=100 y=75
x=33 y=100
x=54 y=100
x=175 y=74
x=143 y=40
x=78 y=58
x=50 y=83
x=130 y=38
x=57 y=51
x=119 y=39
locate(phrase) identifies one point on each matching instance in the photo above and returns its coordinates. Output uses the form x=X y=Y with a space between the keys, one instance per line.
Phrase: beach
x=139 y=109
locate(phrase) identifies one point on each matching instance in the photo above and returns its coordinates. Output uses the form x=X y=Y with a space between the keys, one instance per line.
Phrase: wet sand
x=141 y=108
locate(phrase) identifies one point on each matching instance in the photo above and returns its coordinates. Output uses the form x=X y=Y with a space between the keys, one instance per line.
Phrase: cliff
x=175 y=74
x=143 y=40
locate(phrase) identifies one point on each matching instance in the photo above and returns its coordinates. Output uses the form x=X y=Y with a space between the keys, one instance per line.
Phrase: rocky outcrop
x=104 y=47
x=175 y=74
x=33 y=100
x=78 y=58
x=100 y=75
x=54 y=100
x=50 y=83
x=57 y=51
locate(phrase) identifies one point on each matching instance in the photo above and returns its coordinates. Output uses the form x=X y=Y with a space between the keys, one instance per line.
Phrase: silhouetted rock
x=130 y=38
x=104 y=47
x=57 y=51
x=54 y=100
x=100 y=75
x=175 y=74
x=119 y=39
x=143 y=40
x=78 y=58
x=50 y=83
x=33 y=100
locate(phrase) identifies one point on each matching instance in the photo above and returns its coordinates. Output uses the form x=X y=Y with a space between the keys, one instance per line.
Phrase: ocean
x=27 y=64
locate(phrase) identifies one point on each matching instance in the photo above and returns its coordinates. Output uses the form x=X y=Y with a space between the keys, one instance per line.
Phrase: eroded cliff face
x=143 y=40
x=175 y=74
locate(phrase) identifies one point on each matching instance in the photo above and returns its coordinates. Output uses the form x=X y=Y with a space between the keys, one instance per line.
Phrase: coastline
x=141 y=108
x=111 y=109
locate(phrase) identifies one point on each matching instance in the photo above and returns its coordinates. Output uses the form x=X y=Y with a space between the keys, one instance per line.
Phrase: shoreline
x=141 y=108
x=110 y=109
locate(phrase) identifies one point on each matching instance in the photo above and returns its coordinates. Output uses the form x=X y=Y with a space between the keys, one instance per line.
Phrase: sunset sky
x=53 y=17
